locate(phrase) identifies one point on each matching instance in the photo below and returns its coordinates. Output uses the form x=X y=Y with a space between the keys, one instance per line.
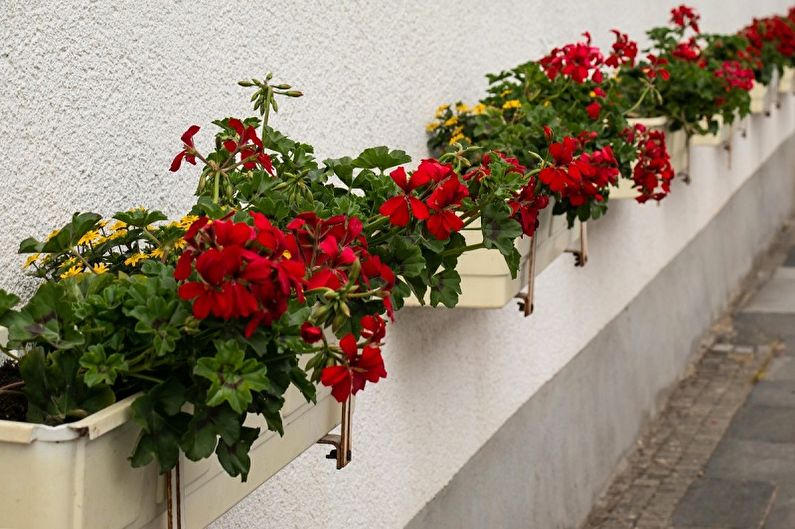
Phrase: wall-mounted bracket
x=342 y=441
x=526 y=303
x=729 y=148
x=581 y=253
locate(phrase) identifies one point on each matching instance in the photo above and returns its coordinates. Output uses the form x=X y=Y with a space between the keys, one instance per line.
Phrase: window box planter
x=787 y=83
x=77 y=476
x=720 y=139
x=486 y=281
x=764 y=97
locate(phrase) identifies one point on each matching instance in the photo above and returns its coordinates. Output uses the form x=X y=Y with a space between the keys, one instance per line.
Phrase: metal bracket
x=581 y=253
x=729 y=147
x=526 y=303
x=342 y=441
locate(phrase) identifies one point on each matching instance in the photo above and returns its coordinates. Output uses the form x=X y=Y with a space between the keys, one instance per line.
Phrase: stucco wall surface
x=96 y=94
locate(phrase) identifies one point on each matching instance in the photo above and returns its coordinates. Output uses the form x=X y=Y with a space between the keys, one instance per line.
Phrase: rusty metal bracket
x=342 y=441
x=174 y=498
x=581 y=253
x=526 y=303
x=729 y=148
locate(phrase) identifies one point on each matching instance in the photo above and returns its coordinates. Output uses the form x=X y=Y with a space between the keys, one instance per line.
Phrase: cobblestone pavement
x=721 y=455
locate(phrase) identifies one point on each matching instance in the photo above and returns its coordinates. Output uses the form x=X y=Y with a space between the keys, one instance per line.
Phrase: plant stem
x=459 y=251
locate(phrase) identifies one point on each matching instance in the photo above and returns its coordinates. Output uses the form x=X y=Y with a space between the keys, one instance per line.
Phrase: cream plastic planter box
x=787 y=83
x=764 y=97
x=77 y=476
x=486 y=281
x=675 y=141
x=721 y=138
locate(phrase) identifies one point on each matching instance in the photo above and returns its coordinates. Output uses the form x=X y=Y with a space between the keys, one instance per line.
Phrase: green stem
x=637 y=104
x=145 y=377
x=459 y=251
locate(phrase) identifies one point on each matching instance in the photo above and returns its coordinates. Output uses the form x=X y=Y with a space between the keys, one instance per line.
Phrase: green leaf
x=343 y=168
x=234 y=458
x=445 y=288
x=232 y=377
x=380 y=158
x=500 y=230
x=100 y=368
x=7 y=302
x=140 y=218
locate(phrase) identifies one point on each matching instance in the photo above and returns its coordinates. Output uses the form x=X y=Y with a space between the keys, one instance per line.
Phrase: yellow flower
x=117 y=235
x=432 y=126
x=452 y=121
x=100 y=268
x=32 y=258
x=461 y=108
x=118 y=225
x=547 y=103
x=53 y=234
x=134 y=259
x=69 y=262
x=457 y=138
x=513 y=103
x=441 y=110
x=89 y=237
x=180 y=244
x=287 y=255
x=74 y=271
x=505 y=92
x=102 y=223
x=592 y=93
x=186 y=221
x=158 y=253
x=478 y=109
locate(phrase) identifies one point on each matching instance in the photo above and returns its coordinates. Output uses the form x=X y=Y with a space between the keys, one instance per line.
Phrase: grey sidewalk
x=721 y=455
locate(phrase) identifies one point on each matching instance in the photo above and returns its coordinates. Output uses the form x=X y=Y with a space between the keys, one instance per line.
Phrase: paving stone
x=782 y=515
x=762 y=329
x=773 y=393
x=764 y=423
x=781 y=368
x=790 y=261
x=734 y=504
x=778 y=294
x=752 y=460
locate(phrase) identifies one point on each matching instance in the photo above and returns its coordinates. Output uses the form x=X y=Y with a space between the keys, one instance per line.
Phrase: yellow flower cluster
x=479 y=109
x=135 y=258
x=513 y=103
x=458 y=135
x=32 y=258
x=452 y=121
x=441 y=110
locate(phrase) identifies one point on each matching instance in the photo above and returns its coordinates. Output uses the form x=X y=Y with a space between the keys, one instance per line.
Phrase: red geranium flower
x=443 y=221
x=684 y=16
x=579 y=61
x=594 y=110
x=188 y=153
x=624 y=51
x=367 y=366
x=397 y=208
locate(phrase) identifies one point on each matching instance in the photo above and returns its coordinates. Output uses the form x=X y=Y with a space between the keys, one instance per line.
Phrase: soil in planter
x=13 y=406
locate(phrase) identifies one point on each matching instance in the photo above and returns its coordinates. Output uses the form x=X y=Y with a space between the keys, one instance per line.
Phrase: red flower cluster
x=623 y=51
x=684 y=16
x=736 y=76
x=329 y=247
x=245 y=142
x=653 y=172
x=243 y=271
x=444 y=191
x=579 y=61
x=362 y=361
x=579 y=178
x=657 y=68
x=688 y=51
x=251 y=153
x=773 y=30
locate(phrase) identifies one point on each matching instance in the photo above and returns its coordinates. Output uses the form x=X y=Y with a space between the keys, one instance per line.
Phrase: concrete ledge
x=576 y=429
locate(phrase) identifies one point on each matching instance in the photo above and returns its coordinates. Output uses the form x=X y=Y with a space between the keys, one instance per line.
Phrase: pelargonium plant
x=568 y=104
x=698 y=77
x=771 y=46
x=282 y=258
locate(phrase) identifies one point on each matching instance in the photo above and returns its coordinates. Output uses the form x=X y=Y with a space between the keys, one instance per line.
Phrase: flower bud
x=246 y=84
x=282 y=86
x=294 y=93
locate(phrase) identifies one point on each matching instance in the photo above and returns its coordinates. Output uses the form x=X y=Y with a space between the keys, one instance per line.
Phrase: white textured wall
x=96 y=94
